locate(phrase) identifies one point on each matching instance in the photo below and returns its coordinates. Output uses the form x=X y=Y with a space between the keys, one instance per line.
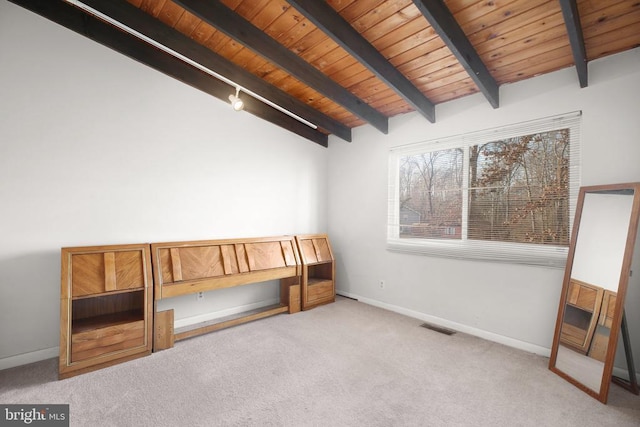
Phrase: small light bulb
x=236 y=103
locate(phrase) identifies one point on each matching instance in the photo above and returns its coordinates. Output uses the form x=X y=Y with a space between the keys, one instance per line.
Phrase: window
x=504 y=194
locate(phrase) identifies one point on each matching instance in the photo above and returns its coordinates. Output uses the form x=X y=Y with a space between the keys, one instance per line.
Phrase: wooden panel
x=265 y=255
x=170 y=13
x=289 y=253
x=65 y=329
x=290 y=293
x=201 y=262
x=187 y=287
x=241 y=255
x=130 y=269
x=176 y=265
x=163 y=266
x=109 y=271
x=229 y=261
x=584 y=296
x=573 y=335
x=216 y=264
x=87 y=273
x=323 y=253
x=308 y=252
x=535 y=16
x=320 y=291
x=98 y=342
x=294 y=299
x=163 y=330
x=609 y=27
x=386 y=15
x=599 y=347
x=600 y=342
x=269 y=311
x=608 y=309
x=152 y=6
x=574 y=291
x=315 y=248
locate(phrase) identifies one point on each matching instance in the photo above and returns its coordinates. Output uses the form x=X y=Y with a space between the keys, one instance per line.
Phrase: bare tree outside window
x=519 y=189
x=431 y=190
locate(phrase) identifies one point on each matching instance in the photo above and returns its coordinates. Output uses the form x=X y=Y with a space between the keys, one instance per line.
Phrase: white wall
x=96 y=148
x=513 y=304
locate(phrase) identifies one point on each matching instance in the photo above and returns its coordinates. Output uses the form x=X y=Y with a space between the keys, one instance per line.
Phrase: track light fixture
x=236 y=103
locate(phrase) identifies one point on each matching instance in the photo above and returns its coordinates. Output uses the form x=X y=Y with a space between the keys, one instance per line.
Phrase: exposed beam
x=76 y=20
x=574 y=28
x=233 y=25
x=136 y=19
x=336 y=27
x=444 y=23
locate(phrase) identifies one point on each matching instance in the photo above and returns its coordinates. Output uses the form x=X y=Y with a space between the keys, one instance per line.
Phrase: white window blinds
x=505 y=194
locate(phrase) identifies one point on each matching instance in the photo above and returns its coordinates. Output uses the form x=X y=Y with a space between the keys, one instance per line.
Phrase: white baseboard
x=31 y=357
x=207 y=317
x=490 y=336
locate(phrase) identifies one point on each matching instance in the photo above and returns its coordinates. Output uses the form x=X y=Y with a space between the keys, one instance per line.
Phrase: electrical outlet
x=381 y=284
x=200 y=296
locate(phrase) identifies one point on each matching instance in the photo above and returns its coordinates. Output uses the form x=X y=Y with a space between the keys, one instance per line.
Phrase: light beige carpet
x=344 y=364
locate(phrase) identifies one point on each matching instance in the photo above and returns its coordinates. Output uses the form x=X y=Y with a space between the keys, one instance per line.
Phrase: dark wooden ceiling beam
x=574 y=29
x=445 y=24
x=136 y=19
x=331 y=23
x=233 y=25
x=77 y=20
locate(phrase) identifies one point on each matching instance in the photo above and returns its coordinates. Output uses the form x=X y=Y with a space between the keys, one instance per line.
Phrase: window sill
x=512 y=253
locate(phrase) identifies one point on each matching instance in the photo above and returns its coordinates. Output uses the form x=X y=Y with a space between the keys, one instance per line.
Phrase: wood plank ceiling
x=342 y=63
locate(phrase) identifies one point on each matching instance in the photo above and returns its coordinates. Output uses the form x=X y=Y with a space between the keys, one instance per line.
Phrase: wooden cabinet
x=581 y=315
x=588 y=318
x=318 y=270
x=106 y=306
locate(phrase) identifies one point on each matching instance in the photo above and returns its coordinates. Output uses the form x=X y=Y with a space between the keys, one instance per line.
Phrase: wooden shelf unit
x=318 y=270
x=105 y=306
x=583 y=308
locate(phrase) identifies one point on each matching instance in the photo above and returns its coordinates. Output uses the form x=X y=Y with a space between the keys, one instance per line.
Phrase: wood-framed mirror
x=594 y=286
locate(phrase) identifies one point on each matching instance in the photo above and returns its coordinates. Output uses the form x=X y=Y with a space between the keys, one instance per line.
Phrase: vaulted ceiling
x=319 y=67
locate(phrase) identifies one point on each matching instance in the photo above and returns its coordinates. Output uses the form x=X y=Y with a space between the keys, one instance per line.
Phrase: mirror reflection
x=588 y=322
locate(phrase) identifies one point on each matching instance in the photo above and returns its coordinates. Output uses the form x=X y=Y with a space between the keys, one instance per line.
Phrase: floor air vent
x=437 y=328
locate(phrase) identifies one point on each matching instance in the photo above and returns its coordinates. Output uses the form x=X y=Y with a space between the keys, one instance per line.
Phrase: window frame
x=518 y=253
